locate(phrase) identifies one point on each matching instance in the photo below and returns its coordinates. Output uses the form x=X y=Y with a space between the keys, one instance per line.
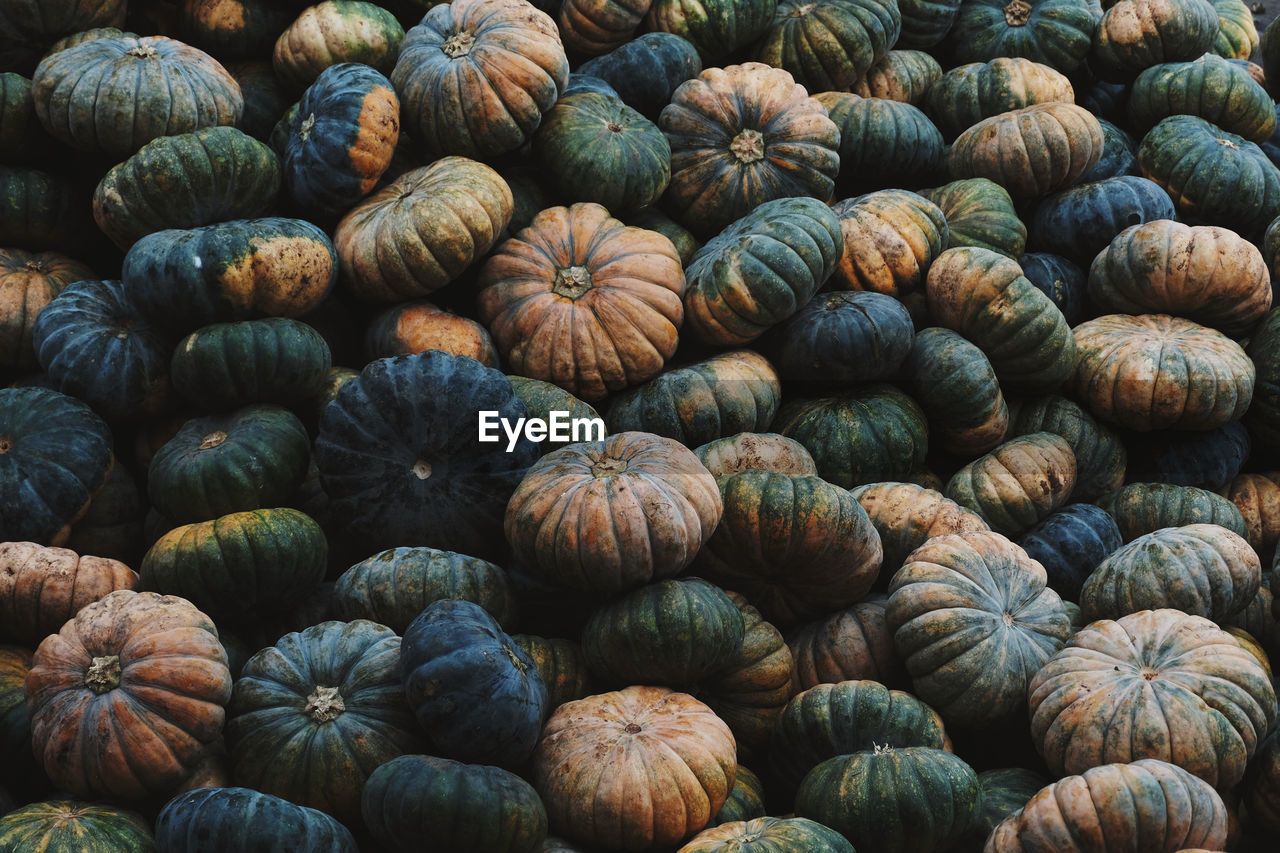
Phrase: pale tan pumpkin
x=42 y=587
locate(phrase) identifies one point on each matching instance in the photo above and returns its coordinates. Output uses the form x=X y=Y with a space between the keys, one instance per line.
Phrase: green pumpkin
x=15 y=722
x=925 y=22
x=716 y=28
x=1142 y=508
x=959 y=392
x=883 y=143
x=670 y=633
x=394 y=586
x=842 y=336
x=55 y=454
x=22 y=139
x=39 y=210
x=760 y=270
x=647 y=69
x=828 y=45
x=561 y=664
x=336 y=32
x=872 y=434
x=252 y=458
x=214 y=818
x=460 y=807
x=746 y=799
x=239 y=566
x=233 y=29
x=893 y=799
x=768 y=835
x=1237 y=33
x=222 y=366
x=28 y=281
x=1142 y=33
x=1100 y=453
x=723 y=395
x=184 y=181
x=1057 y=33
x=837 y=719
x=543 y=398
x=29 y=27
x=1018 y=484
x=1005 y=790
x=1210 y=87
x=1080 y=222
x=969 y=93
x=69 y=824
x=596 y=148
x=980 y=213
x=653 y=219
x=87 y=96
x=312 y=716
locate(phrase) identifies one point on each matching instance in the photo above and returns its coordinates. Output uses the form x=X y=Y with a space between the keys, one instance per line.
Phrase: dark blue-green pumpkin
x=1080 y=222
x=1070 y=544
x=647 y=69
x=214 y=820
x=841 y=336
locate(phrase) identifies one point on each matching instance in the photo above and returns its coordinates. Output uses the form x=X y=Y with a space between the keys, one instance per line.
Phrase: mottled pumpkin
x=842 y=336
x=562 y=666
x=64 y=823
x=959 y=392
x=1142 y=33
x=554 y=404
x=418 y=326
x=969 y=93
x=1142 y=508
x=1018 y=484
x=1237 y=33
x=1210 y=87
x=647 y=69
x=335 y=32
x=853 y=644
x=1057 y=33
x=42 y=587
x=1100 y=453
x=768 y=835
x=979 y=213
x=906 y=515
x=28 y=281
x=1080 y=222
x=716 y=28
x=901 y=75
x=828 y=45
x=764 y=451
x=1257 y=496
x=883 y=143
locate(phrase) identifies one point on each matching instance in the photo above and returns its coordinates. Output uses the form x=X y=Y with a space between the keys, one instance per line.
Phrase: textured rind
x=209 y=820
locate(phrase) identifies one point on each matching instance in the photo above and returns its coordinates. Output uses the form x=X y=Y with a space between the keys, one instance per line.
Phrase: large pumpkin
x=906 y=515
x=236 y=818
x=1143 y=33
x=1057 y=33
x=1018 y=484
x=828 y=45
x=42 y=587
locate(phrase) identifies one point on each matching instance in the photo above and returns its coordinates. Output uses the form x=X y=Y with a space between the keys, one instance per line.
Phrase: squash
x=95 y=734
x=336 y=32
x=1119 y=154
x=1169 y=686
x=974 y=620
x=1210 y=87
x=1057 y=33
x=1237 y=33
x=646 y=70
x=1059 y=279
x=1208 y=459
x=842 y=337
x=1142 y=508
x=1005 y=790
x=627 y=281
x=28 y=281
x=265 y=99
x=883 y=143
x=1143 y=33
x=1257 y=496
x=747 y=451
x=827 y=45
x=417 y=326
x=66 y=823
x=746 y=800
x=1101 y=457
x=235 y=818
x=969 y=93
x=593 y=27
x=959 y=392
x=901 y=75
x=233 y=29
x=544 y=400
x=313 y=715
x=40 y=211
x=1070 y=544
x=561 y=664
x=42 y=587
x=906 y=515
x=716 y=28
x=1018 y=484
x=768 y=835
x=979 y=213
x=1080 y=222
x=853 y=644
x=28 y=27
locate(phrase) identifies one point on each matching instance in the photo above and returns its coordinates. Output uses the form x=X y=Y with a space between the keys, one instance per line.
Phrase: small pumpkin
x=1070 y=544
x=853 y=644
x=1101 y=457
x=842 y=336
x=28 y=281
x=980 y=213
x=768 y=835
x=828 y=45
x=336 y=32
x=70 y=823
x=906 y=515
x=1142 y=508
x=959 y=392
x=1057 y=33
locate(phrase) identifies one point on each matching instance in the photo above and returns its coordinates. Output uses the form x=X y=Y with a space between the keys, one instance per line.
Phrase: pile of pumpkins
x=500 y=426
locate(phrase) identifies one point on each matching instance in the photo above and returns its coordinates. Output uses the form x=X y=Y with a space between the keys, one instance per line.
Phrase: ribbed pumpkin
x=1070 y=544
x=1100 y=453
x=1237 y=33
x=186 y=180
x=417 y=326
x=628 y=282
x=476 y=77
x=392 y=587
x=979 y=213
x=1210 y=87
x=235 y=818
x=883 y=143
x=959 y=392
x=462 y=807
x=768 y=835
x=85 y=95
x=561 y=664
x=1119 y=154
x=842 y=337
x=1142 y=508
x=1030 y=151
x=974 y=621
x=1143 y=33
x=127 y=696
x=985 y=297
x=1005 y=790
x=1113 y=373
x=871 y=434
x=1204 y=273
x=890 y=239
x=1018 y=484
x=593 y=768
x=55 y=454
x=1257 y=496
x=39 y=210
x=1115 y=804
x=1208 y=459
x=65 y=823
x=401 y=460
x=741 y=136
x=728 y=393
x=1057 y=33
x=764 y=451
x=898 y=798
x=1080 y=222
x=42 y=587
x=1168 y=685
x=335 y=32
x=1059 y=279
x=28 y=281
x=969 y=93
x=828 y=45
x=796 y=547
x=853 y=644
x=716 y=28
x=902 y=75
x=340 y=140
x=1218 y=574
x=233 y=29
x=551 y=402
x=29 y=27
x=596 y=148
x=647 y=69
x=1263 y=416
x=906 y=515
x=593 y=27
x=616 y=513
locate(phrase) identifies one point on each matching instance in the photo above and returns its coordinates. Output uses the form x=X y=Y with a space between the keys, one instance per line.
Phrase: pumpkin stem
x=801 y=11
x=212 y=440
x=6 y=444
x=1228 y=143
x=458 y=44
x=572 y=282
x=421 y=469
x=304 y=130
x=748 y=146
x=608 y=467
x=1017 y=13
x=35 y=265
x=1007 y=618
x=1149 y=674
x=103 y=674
x=881 y=748
x=142 y=51
x=324 y=704
x=614 y=127
x=632 y=729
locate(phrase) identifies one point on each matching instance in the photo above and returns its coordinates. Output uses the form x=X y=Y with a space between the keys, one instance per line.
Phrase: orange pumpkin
x=42 y=587
x=28 y=280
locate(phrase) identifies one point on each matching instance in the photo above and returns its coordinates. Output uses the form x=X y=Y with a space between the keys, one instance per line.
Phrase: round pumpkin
x=42 y=587
x=72 y=824
x=969 y=93
x=853 y=644
x=768 y=835
x=1018 y=484
x=336 y=32
x=764 y=451
x=979 y=213
x=959 y=392
x=1142 y=508
x=900 y=75
x=716 y=28
x=28 y=281
x=1070 y=544
x=1101 y=457
x=647 y=69
x=1257 y=496
x=1057 y=33
x=906 y=515
x=418 y=326
x=1142 y=33
x=561 y=664
x=235 y=818
x=1210 y=87
x=828 y=45
x=842 y=337
x=883 y=143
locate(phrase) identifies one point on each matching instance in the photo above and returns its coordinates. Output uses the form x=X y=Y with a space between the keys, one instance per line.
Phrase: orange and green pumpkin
x=853 y=644
x=969 y=93
x=768 y=835
x=1142 y=508
x=593 y=27
x=1080 y=222
x=561 y=664
x=906 y=515
x=1134 y=35
x=28 y=281
x=828 y=45
x=1101 y=455
x=1213 y=88
x=67 y=823
x=956 y=386
x=1018 y=484
x=764 y=451
x=41 y=587
x=233 y=29
x=979 y=213
x=1057 y=33
x=902 y=75
x=335 y=32
x=883 y=143
x=417 y=326
x=717 y=28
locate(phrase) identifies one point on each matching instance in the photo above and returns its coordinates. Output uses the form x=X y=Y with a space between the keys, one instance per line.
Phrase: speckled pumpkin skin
x=1018 y=484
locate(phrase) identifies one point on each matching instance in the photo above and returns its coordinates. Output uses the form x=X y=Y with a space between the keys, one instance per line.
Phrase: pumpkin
x=418 y=326
x=853 y=644
x=627 y=280
x=1070 y=544
x=900 y=75
x=890 y=239
x=41 y=498
x=22 y=139
x=475 y=78
x=561 y=664
x=1119 y=154
x=96 y=735
x=1237 y=33
x=1257 y=496
x=265 y=99
x=551 y=402
x=985 y=297
x=401 y=460
x=883 y=143
x=73 y=824
x=646 y=70
x=425 y=227
x=476 y=694
x=1080 y=222
x=1169 y=685
x=1218 y=574
x=342 y=137
x=224 y=366
x=1059 y=279
x=1113 y=373
x=768 y=835
x=229 y=817
x=1018 y=484
x=959 y=392
x=42 y=587
x=841 y=718
x=796 y=547
x=28 y=281
x=593 y=768
x=393 y=586
x=1142 y=508
x=1200 y=272
x=765 y=451
x=1115 y=804
x=1210 y=87
x=336 y=32
x=244 y=268
x=1143 y=33
x=979 y=213
x=29 y=27
x=1208 y=459
x=716 y=28
x=741 y=136
x=39 y=211
x=186 y=180
x=828 y=45
x=969 y=93
x=593 y=27
x=974 y=620
x=871 y=434
x=233 y=29
x=615 y=514
x=183 y=89
x=728 y=393
x=313 y=715
x=1030 y=151
x=906 y=515
x=1005 y=790
x=1263 y=416
x=1101 y=457
x=462 y=807
x=926 y=22
x=842 y=337
x=1057 y=33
